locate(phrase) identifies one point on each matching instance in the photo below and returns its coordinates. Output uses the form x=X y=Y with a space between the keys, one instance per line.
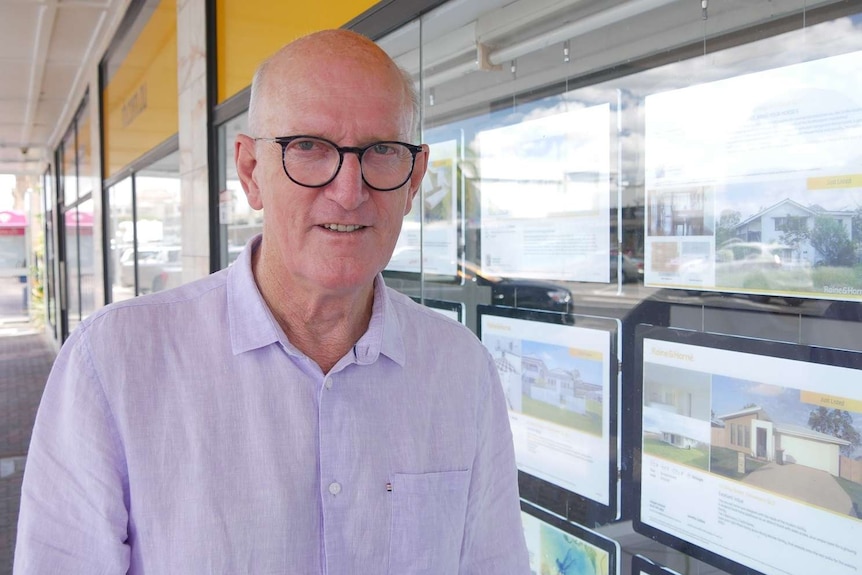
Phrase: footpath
x=26 y=355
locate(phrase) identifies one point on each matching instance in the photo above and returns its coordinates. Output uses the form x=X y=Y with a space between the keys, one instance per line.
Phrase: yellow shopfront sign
x=248 y=31
x=140 y=96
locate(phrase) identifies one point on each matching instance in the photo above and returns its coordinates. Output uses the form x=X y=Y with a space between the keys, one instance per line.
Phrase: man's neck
x=323 y=326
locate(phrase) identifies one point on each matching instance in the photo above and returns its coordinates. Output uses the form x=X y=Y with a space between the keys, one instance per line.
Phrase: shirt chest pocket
x=428 y=514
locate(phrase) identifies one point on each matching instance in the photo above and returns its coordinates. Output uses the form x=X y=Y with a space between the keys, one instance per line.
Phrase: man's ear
x=246 y=162
x=419 y=169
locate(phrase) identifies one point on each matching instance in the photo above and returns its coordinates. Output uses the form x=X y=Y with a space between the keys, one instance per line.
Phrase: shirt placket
x=333 y=468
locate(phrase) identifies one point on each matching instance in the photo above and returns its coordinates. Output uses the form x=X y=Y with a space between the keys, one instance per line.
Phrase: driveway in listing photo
x=813 y=486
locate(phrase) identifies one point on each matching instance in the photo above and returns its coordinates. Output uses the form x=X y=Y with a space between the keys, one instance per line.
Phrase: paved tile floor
x=26 y=355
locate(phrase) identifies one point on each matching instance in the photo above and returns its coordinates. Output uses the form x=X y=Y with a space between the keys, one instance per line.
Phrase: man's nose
x=348 y=188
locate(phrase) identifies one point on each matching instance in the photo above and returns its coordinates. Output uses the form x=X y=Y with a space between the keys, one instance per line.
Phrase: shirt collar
x=252 y=325
x=384 y=330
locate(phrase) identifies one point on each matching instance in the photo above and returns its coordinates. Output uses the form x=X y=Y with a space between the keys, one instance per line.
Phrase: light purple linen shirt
x=182 y=433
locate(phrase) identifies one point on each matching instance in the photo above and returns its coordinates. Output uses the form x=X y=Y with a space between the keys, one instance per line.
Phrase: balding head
x=310 y=57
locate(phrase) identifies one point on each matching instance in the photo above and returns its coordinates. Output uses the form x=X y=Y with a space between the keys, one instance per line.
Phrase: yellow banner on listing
x=585 y=354
x=838 y=181
x=831 y=401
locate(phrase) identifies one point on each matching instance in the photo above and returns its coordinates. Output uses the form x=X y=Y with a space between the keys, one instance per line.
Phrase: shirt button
x=335 y=488
x=328 y=383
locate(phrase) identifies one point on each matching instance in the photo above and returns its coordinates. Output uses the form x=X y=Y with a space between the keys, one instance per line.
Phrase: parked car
x=511 y=292
x=632 y=268
x=159 y=267
x=519 y=292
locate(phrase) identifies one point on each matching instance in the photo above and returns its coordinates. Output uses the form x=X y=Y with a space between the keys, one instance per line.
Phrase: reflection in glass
x=69 y=167
x=88 y=287
x=550 y=192
x=544 y=193
x=436 y=205
x=49 y=207
x=85 y=151
x=157 y=260
x=146 y=243
x=121 y=237
x=73 y=268
x=780 y=167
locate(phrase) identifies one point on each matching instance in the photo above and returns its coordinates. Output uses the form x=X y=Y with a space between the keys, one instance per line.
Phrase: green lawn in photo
x=723 y=461
x=835 y=276
x=694 y=457
x=854 y=490
x=808 y=280
x=778 y=279
x=590 y=422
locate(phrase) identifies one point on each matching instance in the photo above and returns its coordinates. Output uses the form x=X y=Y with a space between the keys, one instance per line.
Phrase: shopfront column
x=192 y=88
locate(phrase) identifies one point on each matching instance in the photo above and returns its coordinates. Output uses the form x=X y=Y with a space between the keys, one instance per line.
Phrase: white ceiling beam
x=41 y=44
x=78 y=85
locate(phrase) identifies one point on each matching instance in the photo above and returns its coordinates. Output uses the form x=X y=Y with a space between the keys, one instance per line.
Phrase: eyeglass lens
x=313 y=162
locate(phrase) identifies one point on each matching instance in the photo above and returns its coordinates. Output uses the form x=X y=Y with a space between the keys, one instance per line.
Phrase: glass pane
x=86 y=257
x=238 y=222
x=50 y=287
x=158 y=228
x=70 y=169
x=121 y=240
x=428 y=259
x=537 y=124
x=436 y=206
x=85 y=151
x=612 y=159
x=73 y=269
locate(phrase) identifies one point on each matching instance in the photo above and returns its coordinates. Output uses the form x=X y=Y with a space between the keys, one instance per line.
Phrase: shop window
x=157 y=261
x=121 y=239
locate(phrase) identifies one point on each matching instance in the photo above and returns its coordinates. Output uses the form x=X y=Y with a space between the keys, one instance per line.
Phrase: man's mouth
x=342 y=227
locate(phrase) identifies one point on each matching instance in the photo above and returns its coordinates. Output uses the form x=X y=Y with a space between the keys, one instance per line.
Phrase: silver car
x=159 y=267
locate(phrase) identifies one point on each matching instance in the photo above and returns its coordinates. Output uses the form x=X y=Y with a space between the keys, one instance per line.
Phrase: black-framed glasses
x=314 y=162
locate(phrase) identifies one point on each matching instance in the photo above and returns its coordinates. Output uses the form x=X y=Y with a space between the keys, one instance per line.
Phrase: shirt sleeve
x=494 y=536
x=74 y=515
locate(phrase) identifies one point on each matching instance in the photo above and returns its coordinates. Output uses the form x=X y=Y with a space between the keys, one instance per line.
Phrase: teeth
x=342 y=227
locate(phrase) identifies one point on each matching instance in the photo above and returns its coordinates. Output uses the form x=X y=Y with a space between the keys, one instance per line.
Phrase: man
x=289 y=414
